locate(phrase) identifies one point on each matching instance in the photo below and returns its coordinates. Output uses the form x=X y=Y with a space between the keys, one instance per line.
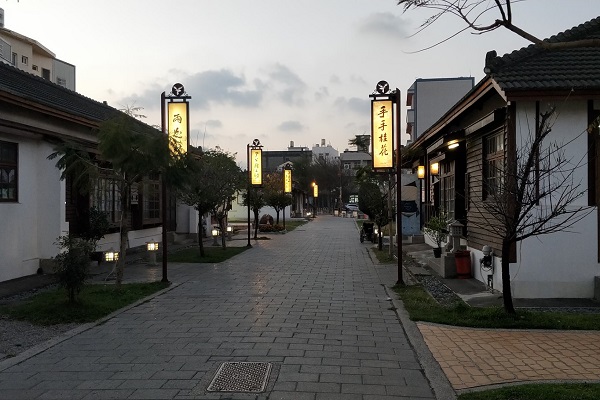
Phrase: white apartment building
x=31 y=56
x=428 y=99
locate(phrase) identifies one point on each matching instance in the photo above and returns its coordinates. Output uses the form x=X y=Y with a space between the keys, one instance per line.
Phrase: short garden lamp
x=152 y=248
x=215 y=235
x=229 y=232
x=111 y=256
x=456 y=231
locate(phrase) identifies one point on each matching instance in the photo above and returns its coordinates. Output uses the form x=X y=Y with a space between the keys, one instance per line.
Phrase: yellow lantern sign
x=256 y=166
x=382 y=134
x=178 y=125
x=315 y=190
x=287 y=180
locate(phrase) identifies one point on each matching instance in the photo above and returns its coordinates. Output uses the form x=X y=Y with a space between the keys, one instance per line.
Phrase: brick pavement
x=310 y=302
x=479 y=357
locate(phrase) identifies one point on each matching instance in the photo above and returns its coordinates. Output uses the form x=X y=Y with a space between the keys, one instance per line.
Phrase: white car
x=351 y=207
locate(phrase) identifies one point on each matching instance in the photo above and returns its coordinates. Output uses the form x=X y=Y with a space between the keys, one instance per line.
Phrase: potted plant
x=437 y=230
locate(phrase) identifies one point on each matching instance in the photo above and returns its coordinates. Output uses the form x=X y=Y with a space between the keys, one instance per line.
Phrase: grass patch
x=94 y=302
x=422 y=307
x=383 y=256
x=291 y=225
x=558 y=391
x=211 y=254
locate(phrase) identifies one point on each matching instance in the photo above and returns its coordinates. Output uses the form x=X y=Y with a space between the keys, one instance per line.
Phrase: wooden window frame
x=151 y=204
x=493 y=158
x=9 y=164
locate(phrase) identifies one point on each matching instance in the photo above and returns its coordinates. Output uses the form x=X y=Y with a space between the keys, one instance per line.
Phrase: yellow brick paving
x=479 y=357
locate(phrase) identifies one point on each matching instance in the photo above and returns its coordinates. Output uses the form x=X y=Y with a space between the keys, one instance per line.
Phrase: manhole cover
x=240 y=377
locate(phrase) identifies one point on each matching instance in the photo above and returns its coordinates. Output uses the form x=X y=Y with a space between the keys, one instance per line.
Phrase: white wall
x=30 y=227
x=562 y=264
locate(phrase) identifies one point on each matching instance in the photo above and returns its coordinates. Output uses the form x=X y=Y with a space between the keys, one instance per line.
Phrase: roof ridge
x=583 y=30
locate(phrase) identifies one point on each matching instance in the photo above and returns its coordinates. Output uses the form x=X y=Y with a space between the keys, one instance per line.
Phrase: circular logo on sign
x=382 y=87
x=178 y=90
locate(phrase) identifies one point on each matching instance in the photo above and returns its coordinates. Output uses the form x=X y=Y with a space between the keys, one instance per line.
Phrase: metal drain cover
x=241 y=377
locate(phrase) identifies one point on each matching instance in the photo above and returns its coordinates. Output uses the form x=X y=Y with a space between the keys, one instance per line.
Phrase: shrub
x=270 y=228
x=72 y=264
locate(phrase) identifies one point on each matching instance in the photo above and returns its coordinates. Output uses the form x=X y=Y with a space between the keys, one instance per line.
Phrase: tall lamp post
x=175 y=123
x=254 y=156
x=382 y=137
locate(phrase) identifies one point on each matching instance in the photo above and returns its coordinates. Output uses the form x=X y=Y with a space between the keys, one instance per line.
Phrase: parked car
x=351 y=207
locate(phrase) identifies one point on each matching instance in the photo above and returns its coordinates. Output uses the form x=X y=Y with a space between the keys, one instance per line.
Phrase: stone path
x=309 y=303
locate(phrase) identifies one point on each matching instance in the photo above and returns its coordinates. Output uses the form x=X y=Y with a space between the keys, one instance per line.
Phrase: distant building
x=273 y=159
x=428 y=99
x=31 y=56
x=325 y=152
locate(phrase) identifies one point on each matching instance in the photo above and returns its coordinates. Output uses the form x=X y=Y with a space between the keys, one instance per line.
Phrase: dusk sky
x=276 y=70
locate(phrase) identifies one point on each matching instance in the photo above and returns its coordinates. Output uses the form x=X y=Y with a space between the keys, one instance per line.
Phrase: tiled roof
x=35 y=89
x=534 y=67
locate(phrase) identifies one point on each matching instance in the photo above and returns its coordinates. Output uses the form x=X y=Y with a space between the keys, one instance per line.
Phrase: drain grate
x=241 y=377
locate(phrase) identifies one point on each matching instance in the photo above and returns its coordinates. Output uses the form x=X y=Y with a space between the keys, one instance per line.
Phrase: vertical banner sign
x=178 y=125
x=382 y=134
x=256 y=166
x=287 y=180
x=316 y=190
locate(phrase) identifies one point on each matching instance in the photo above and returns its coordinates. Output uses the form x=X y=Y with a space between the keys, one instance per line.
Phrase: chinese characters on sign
x=177 y=122
x=256 y=166
x=287 y=179
x=382 y=134
x=315 y=190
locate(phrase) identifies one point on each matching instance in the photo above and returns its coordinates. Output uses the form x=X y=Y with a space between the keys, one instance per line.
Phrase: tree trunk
x=256 y=224
x=506 y=290
x=222 y=230
x=122 y=253
x=200 y=235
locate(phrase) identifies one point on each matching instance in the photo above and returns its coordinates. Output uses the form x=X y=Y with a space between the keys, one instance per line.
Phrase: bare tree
x=533 y=192
x=475 y=14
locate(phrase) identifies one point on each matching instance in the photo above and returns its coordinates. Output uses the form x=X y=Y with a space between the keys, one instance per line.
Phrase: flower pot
x=437 y=252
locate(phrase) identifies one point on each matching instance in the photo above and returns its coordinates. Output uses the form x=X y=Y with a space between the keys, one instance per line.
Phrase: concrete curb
x=439 y=383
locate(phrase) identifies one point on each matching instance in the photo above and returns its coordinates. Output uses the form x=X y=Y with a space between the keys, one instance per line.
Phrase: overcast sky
x=276 y=70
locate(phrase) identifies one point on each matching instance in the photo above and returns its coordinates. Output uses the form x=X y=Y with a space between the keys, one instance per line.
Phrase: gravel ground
x=18 y=336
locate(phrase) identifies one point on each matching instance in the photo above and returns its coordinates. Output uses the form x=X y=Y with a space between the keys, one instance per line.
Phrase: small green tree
x=72 y=263
x=129 y=150
x=274 y=194
x=210 y=186
x=257 y=201
x=437 y=228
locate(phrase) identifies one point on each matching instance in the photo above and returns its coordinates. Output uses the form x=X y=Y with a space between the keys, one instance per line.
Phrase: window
x=61 y=81
x=14 y=59
x=24 y=60
x=46 y=73
x=107 y=198
x=448 y=197
x=8 y=171
x=493 y=171
x=34 y=67
x=151 y=198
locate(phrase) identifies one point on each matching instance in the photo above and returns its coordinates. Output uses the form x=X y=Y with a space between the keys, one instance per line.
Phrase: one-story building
x=36 y=206
x=480 y=137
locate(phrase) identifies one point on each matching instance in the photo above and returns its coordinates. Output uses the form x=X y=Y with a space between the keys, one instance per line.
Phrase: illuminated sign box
x=178 y=125
x=382 y=134
x=287 y=179
x=256 y=167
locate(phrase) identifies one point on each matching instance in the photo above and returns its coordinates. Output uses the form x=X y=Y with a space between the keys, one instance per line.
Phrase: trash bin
x=463 y=264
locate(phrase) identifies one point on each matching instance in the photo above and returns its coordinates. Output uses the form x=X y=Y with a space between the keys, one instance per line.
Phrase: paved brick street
x=309 y=302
